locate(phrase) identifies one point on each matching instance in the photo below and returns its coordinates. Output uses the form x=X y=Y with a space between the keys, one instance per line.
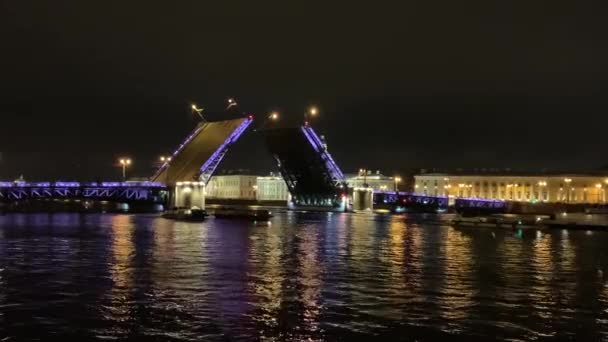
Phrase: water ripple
x=304 y=277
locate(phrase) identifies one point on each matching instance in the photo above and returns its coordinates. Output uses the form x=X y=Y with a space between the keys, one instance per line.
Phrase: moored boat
x=496 y=221
x=185 y=214
x=249 y=214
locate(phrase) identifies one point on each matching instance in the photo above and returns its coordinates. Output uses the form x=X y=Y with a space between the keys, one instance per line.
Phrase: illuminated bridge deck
x=418 y=200
x=202 y=151
x=148 y=192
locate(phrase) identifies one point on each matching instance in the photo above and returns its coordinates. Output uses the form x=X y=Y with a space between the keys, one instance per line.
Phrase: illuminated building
x=367 y=179
x=271 y=188
x=565 y=188
x=248 y=187
x=232 y=187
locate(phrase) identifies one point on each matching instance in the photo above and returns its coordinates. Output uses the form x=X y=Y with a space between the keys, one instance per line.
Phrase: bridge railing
x=112 y=191
x=336 y=174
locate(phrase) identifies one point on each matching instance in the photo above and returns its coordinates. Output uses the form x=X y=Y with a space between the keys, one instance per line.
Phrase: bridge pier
x=188 y=195
x=363 y=199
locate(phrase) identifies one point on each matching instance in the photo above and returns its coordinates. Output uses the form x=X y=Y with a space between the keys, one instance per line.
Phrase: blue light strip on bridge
x=316 y=143
x=180 y=148
x=76 y=185
x=211 y=164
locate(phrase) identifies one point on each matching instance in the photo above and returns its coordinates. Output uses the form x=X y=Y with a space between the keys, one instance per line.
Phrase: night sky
x=400 y=85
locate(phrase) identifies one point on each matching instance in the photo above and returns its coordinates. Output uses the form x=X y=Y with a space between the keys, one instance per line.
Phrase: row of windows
x=492 y=184
x=519 y=195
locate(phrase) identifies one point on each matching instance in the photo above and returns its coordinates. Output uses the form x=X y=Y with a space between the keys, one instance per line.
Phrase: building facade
x=374 y=180
x=272 y=188
x=232 y=187
x=563 y=188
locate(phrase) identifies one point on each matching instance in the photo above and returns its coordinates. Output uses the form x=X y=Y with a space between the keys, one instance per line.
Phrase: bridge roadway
x=197 y=158
x=424 y=202
x=125 y=192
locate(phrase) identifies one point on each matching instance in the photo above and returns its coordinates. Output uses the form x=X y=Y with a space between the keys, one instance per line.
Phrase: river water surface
x=304 y=276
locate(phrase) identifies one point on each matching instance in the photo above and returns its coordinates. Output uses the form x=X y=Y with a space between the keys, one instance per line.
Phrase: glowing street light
x=272 y=116
x=310 y=113
x=165 y=159
x=197 y=110
x=125 y=162
x=397 y=181
x=231 y=103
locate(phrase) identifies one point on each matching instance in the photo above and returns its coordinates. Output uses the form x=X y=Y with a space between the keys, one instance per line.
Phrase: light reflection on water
x=311 y=276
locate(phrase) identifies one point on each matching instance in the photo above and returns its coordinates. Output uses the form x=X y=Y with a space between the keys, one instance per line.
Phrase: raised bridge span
x=312 y=176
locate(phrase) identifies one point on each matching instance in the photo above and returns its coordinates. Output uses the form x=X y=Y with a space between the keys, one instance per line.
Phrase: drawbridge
x=199 y=155
x=313 y=178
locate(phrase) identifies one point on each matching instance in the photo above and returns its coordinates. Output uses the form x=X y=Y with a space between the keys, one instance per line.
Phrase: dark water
x=304 y=277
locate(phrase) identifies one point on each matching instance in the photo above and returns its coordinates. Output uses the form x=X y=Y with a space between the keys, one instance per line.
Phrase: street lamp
x=124 y=162
x=231 y=103
x=310 y=113
x=273 y=116
x=164 y=160
x=197 y=110
x=363 y=172
x=397 y=180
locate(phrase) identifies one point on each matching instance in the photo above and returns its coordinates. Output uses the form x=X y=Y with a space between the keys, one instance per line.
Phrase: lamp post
x=397 y=180
x=164 y=161
x=124 y=162
x=310 y=113
x=272 y=116
x=198 y=111
x=231 y=103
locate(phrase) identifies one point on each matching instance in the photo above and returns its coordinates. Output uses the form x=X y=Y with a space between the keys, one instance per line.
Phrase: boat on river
x=185 y=214
x=242 y=213
x=500 y=221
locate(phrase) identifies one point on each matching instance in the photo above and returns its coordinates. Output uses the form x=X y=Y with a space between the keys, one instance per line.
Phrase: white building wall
x=548 y=188
x=271 y=188
x=377 y=182
x=232 y=187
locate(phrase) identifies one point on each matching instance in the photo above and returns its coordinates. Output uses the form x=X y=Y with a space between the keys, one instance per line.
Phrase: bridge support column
x=189 y=195
x=363 y=199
